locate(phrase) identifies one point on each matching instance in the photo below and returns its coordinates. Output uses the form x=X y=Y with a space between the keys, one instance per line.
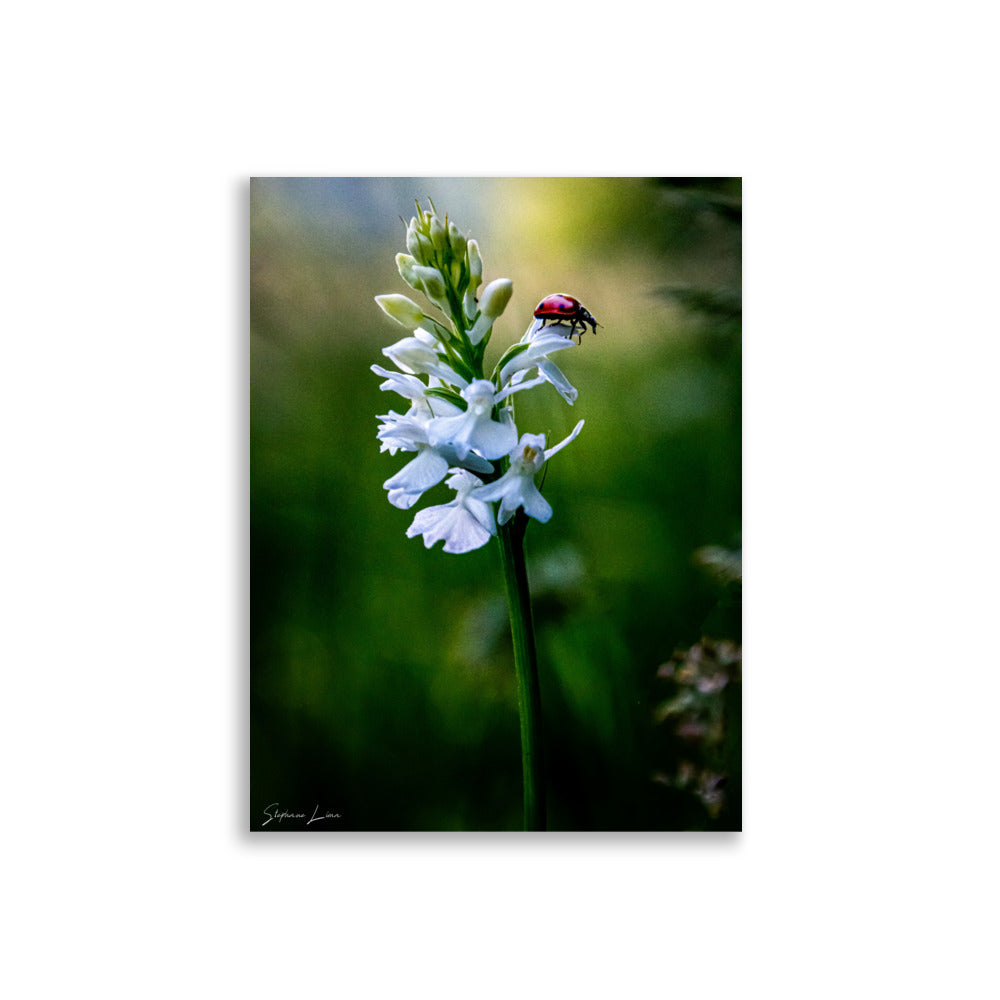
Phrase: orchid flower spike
x=458 y=420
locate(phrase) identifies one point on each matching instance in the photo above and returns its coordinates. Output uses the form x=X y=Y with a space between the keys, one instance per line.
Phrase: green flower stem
x=529 y=702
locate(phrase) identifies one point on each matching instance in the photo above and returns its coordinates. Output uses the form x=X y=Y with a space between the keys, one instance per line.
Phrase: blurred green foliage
x=381 y=677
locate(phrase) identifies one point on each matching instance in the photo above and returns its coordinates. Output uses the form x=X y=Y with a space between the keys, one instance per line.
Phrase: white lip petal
x=464 y=524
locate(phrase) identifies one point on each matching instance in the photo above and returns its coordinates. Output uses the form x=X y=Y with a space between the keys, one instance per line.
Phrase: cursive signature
x=273 y=813
x=316 y=816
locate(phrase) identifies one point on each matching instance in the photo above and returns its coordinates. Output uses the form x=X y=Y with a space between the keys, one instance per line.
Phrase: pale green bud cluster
x=442 y=263
x=433 y=241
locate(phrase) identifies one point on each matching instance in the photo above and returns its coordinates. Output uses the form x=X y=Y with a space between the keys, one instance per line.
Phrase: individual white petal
x=451 y=431
x=402 y=499
x=508 y=505
x=475 y=429
x=432 y=523
x=522 y=492
x=464 y=524
x=534 y=504
x=467 y=536
x=462 y=482
x=542 y=328
x=480 y=328
x=427 y=337
x=416 y=477
x=410 y=354
x=516 y=386
x=549 y=452
x=514 y=490
x=540 y=346
x=423 y=407
x=533 y=328
x=551 y=373
x=467 y=432
x=455 y=525
x=408 y=386
x=482 y=512
x=492 y=439
x=414 y=355
x=405 y=433
x=547 y=340
x=469 y=461
x=507 y=489
x=496 y=489
x=544 y=342
x=466 y=533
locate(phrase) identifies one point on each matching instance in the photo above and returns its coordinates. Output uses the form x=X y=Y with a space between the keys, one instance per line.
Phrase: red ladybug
x=562 y=308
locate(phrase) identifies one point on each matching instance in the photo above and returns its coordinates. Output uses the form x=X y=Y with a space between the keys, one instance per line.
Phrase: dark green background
x=381 y=678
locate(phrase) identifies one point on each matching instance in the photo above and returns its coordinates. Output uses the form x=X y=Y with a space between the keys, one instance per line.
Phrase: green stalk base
x=529 y=701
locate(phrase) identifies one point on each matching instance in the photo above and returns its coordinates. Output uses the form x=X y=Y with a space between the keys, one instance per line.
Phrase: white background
x=865 y=134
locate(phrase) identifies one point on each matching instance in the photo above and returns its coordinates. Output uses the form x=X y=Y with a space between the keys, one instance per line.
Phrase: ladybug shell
x=558 y=305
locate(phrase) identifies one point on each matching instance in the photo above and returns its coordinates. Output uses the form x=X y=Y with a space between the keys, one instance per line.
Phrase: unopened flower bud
x=407 y=266
x=439 y=235
x=431 y=282
x=475 y=263
x=457 y=240
x=403 y=310
x=475 y=278
x=413 y=239
x=495 y=297
x=494 y=300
